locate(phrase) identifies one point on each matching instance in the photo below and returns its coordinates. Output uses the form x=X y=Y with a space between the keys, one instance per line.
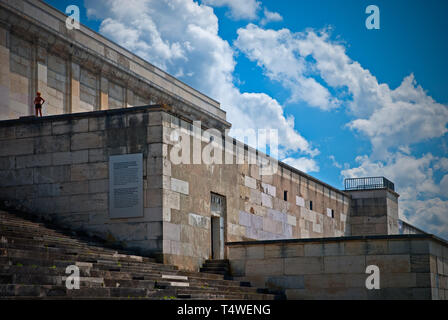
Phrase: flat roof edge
x=347 y=238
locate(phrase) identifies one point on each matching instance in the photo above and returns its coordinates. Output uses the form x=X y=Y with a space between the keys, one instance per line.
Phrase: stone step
x=69 y=250
x=87 y=269
x=102 y=263
x=54 y=291
x=34 y=255
x=49 y=276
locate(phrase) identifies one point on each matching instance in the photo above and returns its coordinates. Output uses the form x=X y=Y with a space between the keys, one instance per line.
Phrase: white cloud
x=246 y=9
x=270 y=16
x=189 y=45
x=430 y=215
x=442 y=165
x=334 y=162
x=414 y=180
x=389 y=118
x=277 y=52
x=303 y=164
x=444 y=186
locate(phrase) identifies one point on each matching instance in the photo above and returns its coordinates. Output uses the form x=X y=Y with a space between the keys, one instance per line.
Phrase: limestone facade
x=410 y=267
x=79 y=70
x=57 y=166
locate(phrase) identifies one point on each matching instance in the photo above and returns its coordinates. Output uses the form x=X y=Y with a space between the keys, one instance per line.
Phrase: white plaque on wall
x=126 y=186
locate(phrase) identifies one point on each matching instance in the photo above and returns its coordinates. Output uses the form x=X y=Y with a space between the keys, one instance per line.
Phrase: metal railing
x=368 y=183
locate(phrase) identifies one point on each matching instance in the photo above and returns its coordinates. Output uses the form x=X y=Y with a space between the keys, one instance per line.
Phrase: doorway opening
x=218 y=204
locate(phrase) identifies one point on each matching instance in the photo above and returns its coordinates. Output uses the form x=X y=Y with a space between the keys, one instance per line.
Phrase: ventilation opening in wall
x=285 y=195
x=332 y=213
x=311 y=205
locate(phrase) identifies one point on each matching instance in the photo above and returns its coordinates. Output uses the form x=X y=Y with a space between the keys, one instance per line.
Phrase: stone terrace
x=34 y=257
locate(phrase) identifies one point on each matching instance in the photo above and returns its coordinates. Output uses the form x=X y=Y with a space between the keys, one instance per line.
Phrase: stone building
x=112 y=116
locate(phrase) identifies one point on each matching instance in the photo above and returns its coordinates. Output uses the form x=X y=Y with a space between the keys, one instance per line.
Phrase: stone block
x=420 y=263
x=250 y=182
x=356 y=247
x=52 y=144
x=255 y=252
x=292 y=220
x=237 y=268
x=324 y=281
x=198 y=221
x=97 y=124
x=90 y=171
x=129 y=231
x=266 y=200
x=346 y=264
x=99 y=186
x=98 y=155
x=73 y=188
x=16 y=147
x=268 y=267
x=285 y=282
x=7 y=163
x=171 y=199
x=48 y=190
x=401 y=246
x=300 y=201
x=91 y=140
x=269 y=189
x=70 y=126
x=398 y=280
x=30 y=161
x=54 y=174
x=390 y=263
x=245 y=219
x=236 y=252
x=377 y=247
x=179 y=186
x=314 y=249
x=75 y=157
x=32 y=130
x=155 y=230
x=89 y=202
x=272 y=226
x=171 y=231
x=255 y=197
x=304 y=265
x=334 y=249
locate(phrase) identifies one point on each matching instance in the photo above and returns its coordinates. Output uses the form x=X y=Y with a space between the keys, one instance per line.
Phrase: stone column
x=104 y=93
x=40 y=83
x=74 y=86
x=129 y=98
x=5 y=82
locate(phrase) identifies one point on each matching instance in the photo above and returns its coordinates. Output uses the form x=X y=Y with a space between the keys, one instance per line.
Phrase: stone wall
x=255 y=205
x=373 y=212
x=79 y=70
x=57 y=167
x=411 y=267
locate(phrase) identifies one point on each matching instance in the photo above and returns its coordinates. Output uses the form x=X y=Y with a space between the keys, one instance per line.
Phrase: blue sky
x=347 y=101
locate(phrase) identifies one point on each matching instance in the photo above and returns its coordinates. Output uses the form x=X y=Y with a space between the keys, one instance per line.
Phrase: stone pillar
x=40 y=83
x=104 y=93
x=74 y=86
x=5 y=82
x=374 y=212
x=128 y=98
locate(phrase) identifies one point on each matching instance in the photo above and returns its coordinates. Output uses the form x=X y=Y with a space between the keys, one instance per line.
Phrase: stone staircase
x=217 y=267
x=34 y=258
